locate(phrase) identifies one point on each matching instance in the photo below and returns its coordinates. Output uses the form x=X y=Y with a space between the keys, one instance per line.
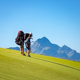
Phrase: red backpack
x=20 y=38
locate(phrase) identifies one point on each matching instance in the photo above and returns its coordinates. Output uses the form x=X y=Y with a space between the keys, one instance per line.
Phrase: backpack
x=20 y=34
x=18 y=41
x=20 y=38
x=26 y=36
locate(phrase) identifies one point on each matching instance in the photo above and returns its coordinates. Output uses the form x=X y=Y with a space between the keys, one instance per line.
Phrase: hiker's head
x=30 y=34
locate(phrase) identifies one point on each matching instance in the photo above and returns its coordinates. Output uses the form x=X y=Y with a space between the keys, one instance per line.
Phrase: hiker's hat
x=30 y=34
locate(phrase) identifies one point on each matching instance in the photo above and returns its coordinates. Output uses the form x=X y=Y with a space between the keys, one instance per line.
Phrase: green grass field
x=14 y=66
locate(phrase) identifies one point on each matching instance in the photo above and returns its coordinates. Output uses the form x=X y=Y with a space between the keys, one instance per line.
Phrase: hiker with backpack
x=27 y=37
x=20 y=41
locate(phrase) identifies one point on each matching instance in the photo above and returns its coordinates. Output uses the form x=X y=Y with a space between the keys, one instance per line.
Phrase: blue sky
x=58 y=20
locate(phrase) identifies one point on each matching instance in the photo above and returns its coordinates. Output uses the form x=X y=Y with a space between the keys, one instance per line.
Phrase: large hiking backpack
x=26 y=36
x=20 y=34
x=20 y=38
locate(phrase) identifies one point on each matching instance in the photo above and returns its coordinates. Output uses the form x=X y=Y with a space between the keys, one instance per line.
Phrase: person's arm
x=27 y=40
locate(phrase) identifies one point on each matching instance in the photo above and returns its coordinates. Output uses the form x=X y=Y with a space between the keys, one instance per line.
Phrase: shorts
x=28 y=46
x=22 y=45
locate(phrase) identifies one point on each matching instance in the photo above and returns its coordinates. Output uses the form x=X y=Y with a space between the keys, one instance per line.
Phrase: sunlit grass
x=14 y=66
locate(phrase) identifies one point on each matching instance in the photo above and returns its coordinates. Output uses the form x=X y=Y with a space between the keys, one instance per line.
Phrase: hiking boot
x=23 y=54
x=28 y=55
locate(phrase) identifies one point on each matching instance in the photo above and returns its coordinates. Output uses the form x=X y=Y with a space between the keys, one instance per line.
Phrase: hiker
x=28 y=42
x=20 y=41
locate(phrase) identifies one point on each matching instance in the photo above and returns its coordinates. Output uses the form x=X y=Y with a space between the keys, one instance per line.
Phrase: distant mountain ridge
x=15 y=48
x=44 y=47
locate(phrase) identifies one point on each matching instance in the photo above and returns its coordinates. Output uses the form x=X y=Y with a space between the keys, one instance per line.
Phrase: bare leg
x=22 y=51
x=28 y=52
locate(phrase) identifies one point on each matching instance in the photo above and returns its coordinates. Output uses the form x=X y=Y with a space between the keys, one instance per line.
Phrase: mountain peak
x=64 y=49
x=43 y=40
x=44 y=37
x=65 y=46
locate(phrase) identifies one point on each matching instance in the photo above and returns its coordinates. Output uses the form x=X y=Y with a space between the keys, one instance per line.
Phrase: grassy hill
x=14 y=66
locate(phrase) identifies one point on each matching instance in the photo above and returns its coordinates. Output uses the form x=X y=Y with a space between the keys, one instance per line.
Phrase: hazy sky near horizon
x=58 y=20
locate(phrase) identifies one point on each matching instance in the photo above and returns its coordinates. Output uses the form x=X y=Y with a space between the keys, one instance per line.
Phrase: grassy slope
x=14 y=66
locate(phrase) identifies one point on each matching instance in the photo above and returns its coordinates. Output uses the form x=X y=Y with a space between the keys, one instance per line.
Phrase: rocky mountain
x=45 y=47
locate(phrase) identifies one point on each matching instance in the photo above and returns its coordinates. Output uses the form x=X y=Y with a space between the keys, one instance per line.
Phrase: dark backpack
x=20 y=34
x=26 y=36
x=18 y=41
x=20 y=38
